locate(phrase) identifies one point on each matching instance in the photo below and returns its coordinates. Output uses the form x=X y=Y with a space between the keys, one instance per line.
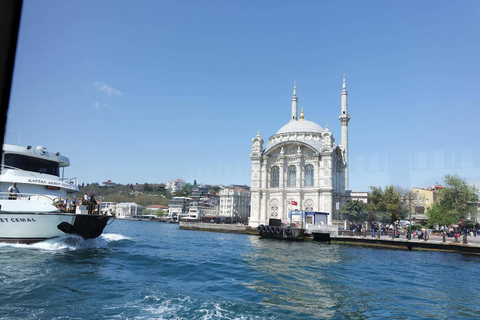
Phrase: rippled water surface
x=150 y=270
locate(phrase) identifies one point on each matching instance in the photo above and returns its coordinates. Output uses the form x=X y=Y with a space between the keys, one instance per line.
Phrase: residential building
x=199 y=208
x=175 y=185
x=423 y=199
x=358 y=195
x=109 y=183
x=235 y=203
x=178 y=205
x=156 y=207
x=199 y=191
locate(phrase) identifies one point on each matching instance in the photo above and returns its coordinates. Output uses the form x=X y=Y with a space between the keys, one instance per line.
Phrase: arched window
x=274 y=175
x=308 y=175
x=292 y=176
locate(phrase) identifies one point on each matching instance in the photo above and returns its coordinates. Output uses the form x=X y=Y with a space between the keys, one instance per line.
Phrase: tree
x=355 y=211
x=147 y=187
x=437 y=215
x=394 y=205
x=117 y=198
x=385 y=205
x=453 y=201
x=377 y=207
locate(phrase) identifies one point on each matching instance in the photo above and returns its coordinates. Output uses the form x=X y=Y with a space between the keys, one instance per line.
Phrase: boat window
x=32 y=164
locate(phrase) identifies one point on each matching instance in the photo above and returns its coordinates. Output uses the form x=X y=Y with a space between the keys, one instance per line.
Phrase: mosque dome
x=301 y=126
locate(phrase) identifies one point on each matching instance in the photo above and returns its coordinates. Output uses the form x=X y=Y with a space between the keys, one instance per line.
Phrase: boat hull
x=35 y=227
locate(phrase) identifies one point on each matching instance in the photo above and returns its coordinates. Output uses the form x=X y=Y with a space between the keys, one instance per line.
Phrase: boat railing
x=27 y=197
x=67 y=205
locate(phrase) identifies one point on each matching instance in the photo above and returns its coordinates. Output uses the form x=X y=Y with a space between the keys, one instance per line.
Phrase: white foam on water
x=69 y=243
x=165 y=308
x=177 y=307
x=110 y=237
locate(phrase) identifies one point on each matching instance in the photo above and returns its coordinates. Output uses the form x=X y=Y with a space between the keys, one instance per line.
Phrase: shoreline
x=434 y=243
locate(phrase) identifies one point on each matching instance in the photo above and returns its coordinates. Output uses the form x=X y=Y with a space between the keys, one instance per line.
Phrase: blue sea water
x=151 y=270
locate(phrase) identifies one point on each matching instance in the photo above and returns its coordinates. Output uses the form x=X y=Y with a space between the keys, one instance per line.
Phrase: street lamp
x=409 y=216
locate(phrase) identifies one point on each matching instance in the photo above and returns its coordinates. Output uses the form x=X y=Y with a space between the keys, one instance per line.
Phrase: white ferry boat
x=42 y=208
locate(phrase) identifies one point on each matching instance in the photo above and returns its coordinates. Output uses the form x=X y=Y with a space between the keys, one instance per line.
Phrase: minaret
x=344 y=119
x=294 y=102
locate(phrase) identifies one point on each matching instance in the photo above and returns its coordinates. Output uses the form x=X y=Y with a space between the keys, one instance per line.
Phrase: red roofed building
x=109 y=183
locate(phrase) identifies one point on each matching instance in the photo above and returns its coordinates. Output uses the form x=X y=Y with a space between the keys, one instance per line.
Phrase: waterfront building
x=199 y=191
x=107 y=207
x=177 y=206
x=235 y=204
x=175 y=185
x=213 y=203
x=300 y=168
x=125 y=210
x=199 y=208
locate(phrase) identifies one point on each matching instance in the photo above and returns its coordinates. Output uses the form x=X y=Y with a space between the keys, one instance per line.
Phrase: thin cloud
x=97 y=105
x=110 y=91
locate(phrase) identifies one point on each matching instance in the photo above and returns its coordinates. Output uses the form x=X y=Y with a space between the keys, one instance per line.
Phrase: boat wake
x=71 y=243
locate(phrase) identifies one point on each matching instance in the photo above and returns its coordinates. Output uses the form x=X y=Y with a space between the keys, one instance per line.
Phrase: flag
x=294 y=203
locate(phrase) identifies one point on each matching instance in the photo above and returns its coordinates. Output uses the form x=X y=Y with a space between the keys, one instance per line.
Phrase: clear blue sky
x=149 y=91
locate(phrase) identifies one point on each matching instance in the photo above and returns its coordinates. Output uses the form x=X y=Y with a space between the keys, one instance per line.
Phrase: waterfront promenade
x=435 y=242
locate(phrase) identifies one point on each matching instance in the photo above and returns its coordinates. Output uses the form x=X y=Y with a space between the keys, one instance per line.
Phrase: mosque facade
x=300 y=168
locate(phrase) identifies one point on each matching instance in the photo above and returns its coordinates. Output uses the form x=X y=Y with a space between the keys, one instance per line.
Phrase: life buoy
x=278 y=230
x=297 y=224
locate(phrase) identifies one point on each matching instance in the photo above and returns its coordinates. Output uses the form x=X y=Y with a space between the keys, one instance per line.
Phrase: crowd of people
x=67 y=205
x=377 y=229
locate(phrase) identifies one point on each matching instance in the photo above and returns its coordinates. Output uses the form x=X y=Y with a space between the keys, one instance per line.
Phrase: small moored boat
x=286 y=232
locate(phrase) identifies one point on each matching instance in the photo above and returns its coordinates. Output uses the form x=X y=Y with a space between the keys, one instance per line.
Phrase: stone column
x=327 y=187
x=263 y=209
x=298 y=182
x=281 y=175
x=264 y=173
x=281 y=210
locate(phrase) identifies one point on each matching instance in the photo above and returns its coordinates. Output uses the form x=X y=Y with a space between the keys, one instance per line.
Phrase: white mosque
x=301 y=168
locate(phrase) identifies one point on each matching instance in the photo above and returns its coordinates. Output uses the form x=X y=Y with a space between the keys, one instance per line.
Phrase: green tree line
x=456 y=202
